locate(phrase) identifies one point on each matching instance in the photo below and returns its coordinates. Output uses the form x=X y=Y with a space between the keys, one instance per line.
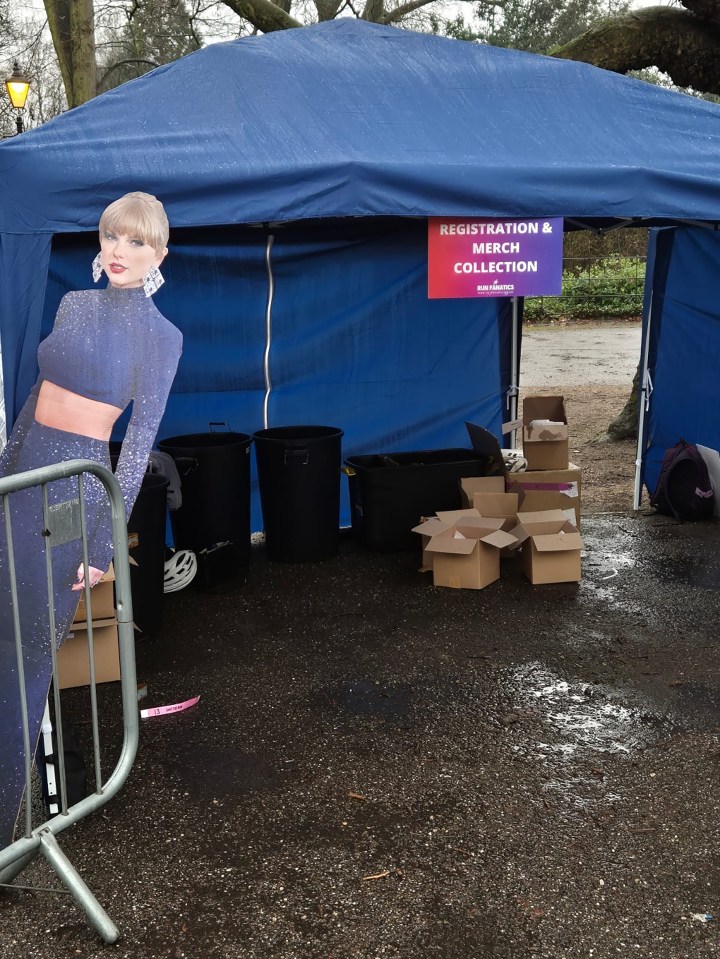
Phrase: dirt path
x=576 y=355
x=592 y=366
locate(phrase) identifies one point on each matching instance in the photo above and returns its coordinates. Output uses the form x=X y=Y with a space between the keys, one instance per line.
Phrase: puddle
x=579 y=718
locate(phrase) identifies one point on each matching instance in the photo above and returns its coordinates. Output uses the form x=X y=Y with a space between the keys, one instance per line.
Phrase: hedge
x=608 y=287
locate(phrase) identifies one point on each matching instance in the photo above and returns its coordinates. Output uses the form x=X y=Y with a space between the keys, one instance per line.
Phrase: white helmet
x=180 y=570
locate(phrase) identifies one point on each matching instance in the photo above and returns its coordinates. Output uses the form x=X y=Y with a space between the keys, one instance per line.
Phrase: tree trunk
x=624 y=426
x=72 y=27
x=685 y=45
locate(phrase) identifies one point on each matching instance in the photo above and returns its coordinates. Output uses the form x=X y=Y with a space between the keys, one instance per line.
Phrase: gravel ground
x=379 y=768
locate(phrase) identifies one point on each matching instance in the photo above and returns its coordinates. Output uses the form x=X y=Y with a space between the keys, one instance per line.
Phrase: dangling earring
x=152 y=281
x=97 y=268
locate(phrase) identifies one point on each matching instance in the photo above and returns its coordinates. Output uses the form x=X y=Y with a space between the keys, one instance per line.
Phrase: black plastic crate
x=389 y=492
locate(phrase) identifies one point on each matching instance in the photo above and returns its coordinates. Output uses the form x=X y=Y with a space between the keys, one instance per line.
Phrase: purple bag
x=684 y=489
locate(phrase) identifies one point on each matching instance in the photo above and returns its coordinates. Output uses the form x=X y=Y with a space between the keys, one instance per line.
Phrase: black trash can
x=146 y=542
x=299 y=479
x=146 y=546
x=214 y=519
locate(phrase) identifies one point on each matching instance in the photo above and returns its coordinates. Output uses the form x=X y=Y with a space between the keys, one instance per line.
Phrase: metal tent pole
x=644 y=391
x=514 y=371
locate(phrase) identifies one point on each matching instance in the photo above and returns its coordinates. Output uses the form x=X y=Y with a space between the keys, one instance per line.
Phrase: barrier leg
x=99 y=919
x=11 y=872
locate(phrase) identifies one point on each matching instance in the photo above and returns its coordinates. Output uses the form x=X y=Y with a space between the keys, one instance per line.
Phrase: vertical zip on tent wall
x=645 y=389
x=268 y=327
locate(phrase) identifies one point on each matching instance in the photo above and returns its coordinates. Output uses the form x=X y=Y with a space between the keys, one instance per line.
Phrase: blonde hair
x=138 y=214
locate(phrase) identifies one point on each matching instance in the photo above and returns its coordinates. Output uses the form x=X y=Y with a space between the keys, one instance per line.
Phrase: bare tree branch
x=392 y=16
x=263 y=14
x=327 y=9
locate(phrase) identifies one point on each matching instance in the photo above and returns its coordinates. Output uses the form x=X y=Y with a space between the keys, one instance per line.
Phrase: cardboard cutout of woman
x=107 y=348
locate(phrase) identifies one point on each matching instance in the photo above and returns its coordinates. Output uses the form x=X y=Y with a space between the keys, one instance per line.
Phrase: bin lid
x=192 y=441
x=302 y=434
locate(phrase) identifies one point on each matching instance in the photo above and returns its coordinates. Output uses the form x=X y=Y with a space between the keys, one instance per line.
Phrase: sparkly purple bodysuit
x=112 y=346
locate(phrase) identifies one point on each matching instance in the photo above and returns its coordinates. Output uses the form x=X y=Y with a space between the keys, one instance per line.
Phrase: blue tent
x=298 y=170
x=681 y=346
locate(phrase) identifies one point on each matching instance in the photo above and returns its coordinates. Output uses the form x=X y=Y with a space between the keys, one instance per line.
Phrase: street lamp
x=18 y=87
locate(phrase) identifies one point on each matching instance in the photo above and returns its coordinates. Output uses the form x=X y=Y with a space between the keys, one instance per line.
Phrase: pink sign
x=471 y=258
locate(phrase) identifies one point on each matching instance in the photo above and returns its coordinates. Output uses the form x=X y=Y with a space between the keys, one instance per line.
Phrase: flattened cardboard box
x=549 y=489
x=551 y=547
x=102 y=600
x=72 y=658
x=545 y=446
x=467 y=554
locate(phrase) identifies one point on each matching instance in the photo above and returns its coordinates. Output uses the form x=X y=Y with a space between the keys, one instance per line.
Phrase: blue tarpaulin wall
x=352 y=340
x=344 y=122
x=682 y=332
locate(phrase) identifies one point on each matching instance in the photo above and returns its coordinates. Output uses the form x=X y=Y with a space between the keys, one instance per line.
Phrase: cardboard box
x=72 y=658
x=545 y=433
x=549 y=489
x=466 y=553
x=102 y=600
x=470 y=485
x=551 y=547
x=430 y=526
x=498 y=506
x=455 y=515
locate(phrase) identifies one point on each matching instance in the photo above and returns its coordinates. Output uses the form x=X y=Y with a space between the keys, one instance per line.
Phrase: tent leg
x=643 y=405
x=514 y=370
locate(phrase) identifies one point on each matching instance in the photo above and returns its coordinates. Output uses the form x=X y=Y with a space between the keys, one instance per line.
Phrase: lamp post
x=18 y=87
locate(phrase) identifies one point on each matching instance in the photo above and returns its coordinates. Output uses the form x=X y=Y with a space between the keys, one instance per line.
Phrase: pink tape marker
x=166 y=710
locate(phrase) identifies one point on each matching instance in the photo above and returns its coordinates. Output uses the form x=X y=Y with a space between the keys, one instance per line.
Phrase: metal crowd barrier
x=41 y=839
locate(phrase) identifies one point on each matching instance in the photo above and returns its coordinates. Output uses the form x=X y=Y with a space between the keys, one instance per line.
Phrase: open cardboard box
x=443 y=519
x=502 y=506
x=465 y=552
x=545 y=444
x=551 y=547
x=470 y=485
x=430 y=526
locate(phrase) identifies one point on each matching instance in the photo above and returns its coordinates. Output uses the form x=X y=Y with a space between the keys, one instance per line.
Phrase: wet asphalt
x=380 y=768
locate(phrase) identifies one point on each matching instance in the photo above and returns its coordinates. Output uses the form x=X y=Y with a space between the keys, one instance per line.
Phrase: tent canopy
x=365 y=130
x=347 y=118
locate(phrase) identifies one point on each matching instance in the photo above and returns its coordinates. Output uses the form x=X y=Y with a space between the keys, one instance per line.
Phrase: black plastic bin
x=389 y=492
x=299 y=480
x=214 y=519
